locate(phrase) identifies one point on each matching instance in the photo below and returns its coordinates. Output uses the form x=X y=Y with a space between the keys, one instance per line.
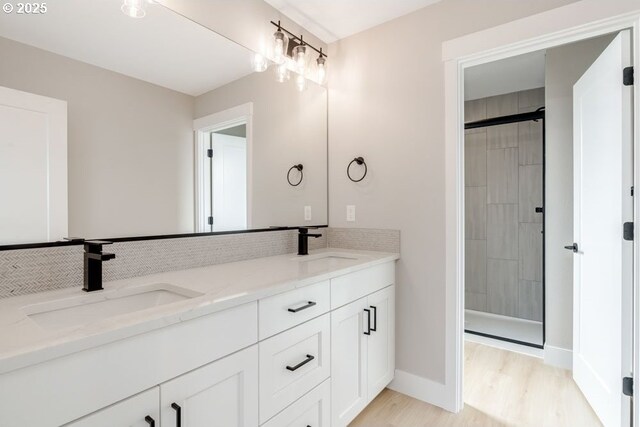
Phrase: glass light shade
x=134 y=8
x=280 y=42
x=259 y=62
x=282 y=72
x=300 y=58
x=322 y=70
x=301 y=82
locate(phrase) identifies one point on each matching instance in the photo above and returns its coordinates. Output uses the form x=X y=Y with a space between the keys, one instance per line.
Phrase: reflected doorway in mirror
x=223 y=159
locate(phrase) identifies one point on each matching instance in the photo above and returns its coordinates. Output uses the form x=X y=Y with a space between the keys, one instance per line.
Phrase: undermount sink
x=327 y=257
x=88 y=308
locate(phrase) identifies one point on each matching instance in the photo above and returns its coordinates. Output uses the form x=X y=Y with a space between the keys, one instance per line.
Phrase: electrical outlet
x=351 y=213
x=307 y=213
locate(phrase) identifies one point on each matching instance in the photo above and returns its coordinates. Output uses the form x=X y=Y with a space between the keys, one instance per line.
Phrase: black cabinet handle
x=178 y=410
x=301 y=364
x=150 y=421
x=368 y=321
x=375 y=318
x=573 y=248
x=304 y=307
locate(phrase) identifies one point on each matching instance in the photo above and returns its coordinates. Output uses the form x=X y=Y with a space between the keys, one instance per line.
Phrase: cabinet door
x=348 y=362
x=130 y=412
x=381 y=342
x=223 y=393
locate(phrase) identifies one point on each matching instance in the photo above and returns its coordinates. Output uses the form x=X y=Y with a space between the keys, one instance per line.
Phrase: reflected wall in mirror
x=112 y=126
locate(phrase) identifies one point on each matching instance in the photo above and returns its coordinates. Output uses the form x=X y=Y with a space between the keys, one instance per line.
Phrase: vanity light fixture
x=134 y=8
x=280 y=43
x=291 y=53
x=322 y=68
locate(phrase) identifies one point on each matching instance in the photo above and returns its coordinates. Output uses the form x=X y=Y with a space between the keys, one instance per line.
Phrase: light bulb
x=301 y=82
x=322 y=70
x=259 y=62
x=134 y=8
x=280 y=42
x=300 y=57
x=282 y=72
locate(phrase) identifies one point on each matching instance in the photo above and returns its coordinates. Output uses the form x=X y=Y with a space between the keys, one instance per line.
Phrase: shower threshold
x=520 y=331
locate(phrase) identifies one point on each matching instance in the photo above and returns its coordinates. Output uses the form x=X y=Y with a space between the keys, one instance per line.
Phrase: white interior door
x=603 y=263
x=229 y=182
x=33 y=167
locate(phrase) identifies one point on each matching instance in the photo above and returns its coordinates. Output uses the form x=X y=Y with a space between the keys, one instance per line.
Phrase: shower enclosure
x=504 y=217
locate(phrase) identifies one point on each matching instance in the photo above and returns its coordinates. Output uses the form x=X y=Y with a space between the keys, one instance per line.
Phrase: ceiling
x=505 y=76
x=331 y=20
x=162 y=48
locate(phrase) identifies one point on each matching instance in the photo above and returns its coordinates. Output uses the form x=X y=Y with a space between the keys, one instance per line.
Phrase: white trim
x=580 y=20
x=420 y=388
x=558 y=357
x=241 y=114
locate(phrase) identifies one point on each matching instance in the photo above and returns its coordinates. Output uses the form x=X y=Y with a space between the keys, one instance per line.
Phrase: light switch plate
x=307 y=213
x=351 y=213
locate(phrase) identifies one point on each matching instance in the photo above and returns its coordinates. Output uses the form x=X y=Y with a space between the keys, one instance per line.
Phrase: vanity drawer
x=286 y=310
x=312 y=409
x=353 y=286
x=293 y=363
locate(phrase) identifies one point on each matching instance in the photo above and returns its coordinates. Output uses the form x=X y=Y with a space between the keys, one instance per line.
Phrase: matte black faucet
x=93 y=257
x=303 y=240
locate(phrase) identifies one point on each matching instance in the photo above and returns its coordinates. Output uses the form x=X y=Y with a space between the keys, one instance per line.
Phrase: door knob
x=573 y=248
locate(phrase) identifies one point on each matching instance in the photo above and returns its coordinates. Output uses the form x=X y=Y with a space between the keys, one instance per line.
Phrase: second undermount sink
x=83 y=309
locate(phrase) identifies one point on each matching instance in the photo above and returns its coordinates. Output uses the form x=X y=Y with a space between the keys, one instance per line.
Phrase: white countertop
x=23 y=342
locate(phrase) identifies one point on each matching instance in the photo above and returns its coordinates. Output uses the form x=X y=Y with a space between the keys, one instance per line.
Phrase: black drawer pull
x=368 y=332
x=375 y=318
x=301 y=364
x=178 y=410
x=150 y=421
x=304 y=307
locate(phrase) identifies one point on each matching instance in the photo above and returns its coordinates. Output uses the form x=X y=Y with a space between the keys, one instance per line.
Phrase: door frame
x=574 y=22
x=241 y=114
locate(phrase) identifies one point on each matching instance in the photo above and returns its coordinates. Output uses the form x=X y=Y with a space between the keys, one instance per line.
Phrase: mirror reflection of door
x=227 y=154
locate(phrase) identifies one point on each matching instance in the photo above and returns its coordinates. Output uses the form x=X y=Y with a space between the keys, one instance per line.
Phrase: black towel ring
x=360 y=161
x=299 y=169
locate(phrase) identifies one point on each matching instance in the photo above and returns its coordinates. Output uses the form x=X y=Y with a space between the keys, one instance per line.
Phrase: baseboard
x=558 y=357
x=422 y=389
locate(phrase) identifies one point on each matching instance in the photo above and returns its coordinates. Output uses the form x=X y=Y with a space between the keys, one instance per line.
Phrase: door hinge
x=632 y=191
x=627 y=386
x=627 y=76
x=210 y=220
x=209 y=153
x=627 y=231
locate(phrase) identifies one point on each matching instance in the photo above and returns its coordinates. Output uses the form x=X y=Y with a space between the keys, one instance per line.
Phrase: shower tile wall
x=503 y=186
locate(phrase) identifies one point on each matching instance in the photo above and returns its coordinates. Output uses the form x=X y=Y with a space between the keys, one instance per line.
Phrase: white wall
x=386 y=103
x=564 y=66
x=289 y=127
x=130 y=144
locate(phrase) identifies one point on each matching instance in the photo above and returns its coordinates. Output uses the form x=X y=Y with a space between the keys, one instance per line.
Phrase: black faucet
x=303 y=240
x=93 y=257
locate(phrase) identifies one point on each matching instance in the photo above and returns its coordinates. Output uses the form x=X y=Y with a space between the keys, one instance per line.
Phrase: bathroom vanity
x=274 y=341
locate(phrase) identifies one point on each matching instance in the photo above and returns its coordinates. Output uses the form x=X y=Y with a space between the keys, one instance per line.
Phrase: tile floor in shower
x=512 y=328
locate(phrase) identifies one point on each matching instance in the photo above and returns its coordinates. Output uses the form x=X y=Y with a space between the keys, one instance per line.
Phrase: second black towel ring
x=359 y=161
x=299 y=169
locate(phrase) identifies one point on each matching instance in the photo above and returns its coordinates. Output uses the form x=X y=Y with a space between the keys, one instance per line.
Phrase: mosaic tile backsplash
x=38 y=270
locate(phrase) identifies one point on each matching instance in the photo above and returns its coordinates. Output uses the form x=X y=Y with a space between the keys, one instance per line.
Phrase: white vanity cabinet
x=362 y=353
x=315 y=355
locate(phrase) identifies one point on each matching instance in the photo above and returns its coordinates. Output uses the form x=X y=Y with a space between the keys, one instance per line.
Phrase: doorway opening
x=548 y=179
